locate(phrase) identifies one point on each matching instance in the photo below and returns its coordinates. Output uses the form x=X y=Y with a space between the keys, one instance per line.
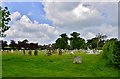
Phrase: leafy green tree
x=4 y=44
x=4 y=20
x=62 y=42
x=92 y=43
x=96 y=42
x=100 y=41
x=76 y=42
x=24 y=44
x=13 y=44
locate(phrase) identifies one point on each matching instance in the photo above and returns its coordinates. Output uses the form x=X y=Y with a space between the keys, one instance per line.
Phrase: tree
x=4 y=20
x=62 y=42
x=96 y=42
x=33 y=46
x=23 y=44
x=92 y=43
x=13 y=44
x=76 y=42
x=75 y=34
x=100 y=40
x=4 y=44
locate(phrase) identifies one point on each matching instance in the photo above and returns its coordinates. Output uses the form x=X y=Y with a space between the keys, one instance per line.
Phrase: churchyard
x=16 y=64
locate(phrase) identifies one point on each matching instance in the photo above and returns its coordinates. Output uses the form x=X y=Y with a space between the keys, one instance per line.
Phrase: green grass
x=17 y=65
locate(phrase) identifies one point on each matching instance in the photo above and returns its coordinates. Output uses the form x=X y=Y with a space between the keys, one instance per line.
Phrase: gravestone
x=77 y=60
x=23 y=51
x=49 y=53
x=90 y=51
x=30 y=52
x=35 y=52
x=53 y=51
x=12 y=51
x=72 y=52
x=60 y=52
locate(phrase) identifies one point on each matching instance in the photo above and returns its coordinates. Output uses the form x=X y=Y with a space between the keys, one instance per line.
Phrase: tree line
x=63 y=42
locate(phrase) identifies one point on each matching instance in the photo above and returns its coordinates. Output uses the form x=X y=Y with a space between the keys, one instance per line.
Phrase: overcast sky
x=43 y=22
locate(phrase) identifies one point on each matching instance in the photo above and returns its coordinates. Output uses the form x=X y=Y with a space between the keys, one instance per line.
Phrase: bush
x=111 y=52
x=116 y=53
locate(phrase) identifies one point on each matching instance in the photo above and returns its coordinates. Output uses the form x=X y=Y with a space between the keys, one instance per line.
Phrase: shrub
x=116 y=55
x=111 y=52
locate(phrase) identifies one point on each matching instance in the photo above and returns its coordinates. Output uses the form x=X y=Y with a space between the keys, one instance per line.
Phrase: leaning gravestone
x=35 y=52
x=30 y=52
x=77 y=60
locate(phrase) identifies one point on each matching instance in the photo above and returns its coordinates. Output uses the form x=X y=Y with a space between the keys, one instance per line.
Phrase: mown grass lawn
x=17 y=65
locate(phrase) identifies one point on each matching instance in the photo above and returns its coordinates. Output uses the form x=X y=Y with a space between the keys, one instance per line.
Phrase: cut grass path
x=17 y=65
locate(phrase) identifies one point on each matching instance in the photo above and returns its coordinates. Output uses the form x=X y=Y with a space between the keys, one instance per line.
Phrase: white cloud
x=85 y=17
x=77 y=16
x=109 y=30
x=14 y=16
x=24 y=28
x=89 y=35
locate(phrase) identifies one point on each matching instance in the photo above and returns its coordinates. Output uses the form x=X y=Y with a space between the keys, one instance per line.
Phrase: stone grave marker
x=35 y=52
x=30 y=52
x=77 y=60
x=72 y=52
x=49 y=53
x=12 y=51
x=60 y=52
x=23 y=51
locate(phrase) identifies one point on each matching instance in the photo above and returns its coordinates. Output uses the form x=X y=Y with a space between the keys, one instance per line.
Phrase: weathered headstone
x=23 y=51
x=94 y=51
x=90 y=51
x=12 y=51
x=72 y=52
x=49 y=53
x=60 y=52
x=35 y=52
x=53 y=51
x=30 y=52
x=77 y=60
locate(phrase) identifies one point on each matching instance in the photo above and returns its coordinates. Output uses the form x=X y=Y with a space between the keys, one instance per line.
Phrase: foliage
x=62 y=42
x=76 y=42
x=13 y=44
x=116 y=53
x=92 y=43
x=108 y=51
x=111 y=51
x=23 y=45
x=4 y=44
x=4 y=20
x=96 y=42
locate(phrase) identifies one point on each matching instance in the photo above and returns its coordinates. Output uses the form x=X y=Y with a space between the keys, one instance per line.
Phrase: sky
x=43 y=22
